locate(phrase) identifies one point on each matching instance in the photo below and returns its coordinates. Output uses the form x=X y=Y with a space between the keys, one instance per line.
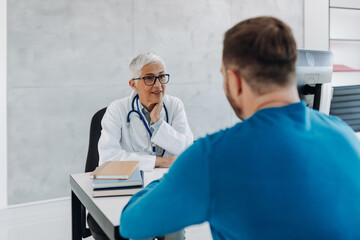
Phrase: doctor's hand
x=164 y=162
x=155 y=113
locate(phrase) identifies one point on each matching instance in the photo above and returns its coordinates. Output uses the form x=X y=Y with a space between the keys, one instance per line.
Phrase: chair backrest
x=92 y=159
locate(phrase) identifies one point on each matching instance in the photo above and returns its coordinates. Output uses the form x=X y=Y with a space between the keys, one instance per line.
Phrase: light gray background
x=69 y=58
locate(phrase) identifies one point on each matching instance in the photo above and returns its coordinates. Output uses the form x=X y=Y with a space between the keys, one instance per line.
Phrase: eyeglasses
x=150 y=80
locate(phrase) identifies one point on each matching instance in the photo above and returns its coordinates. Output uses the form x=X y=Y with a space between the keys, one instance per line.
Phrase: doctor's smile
x=157 y=92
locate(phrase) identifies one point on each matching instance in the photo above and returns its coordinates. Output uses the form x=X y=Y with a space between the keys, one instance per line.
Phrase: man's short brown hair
x=263 y=51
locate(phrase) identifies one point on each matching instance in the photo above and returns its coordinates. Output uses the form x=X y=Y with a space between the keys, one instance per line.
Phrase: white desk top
x=113 y=206
x=358 y=134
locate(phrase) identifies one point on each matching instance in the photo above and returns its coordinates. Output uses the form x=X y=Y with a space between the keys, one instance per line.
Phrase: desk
x=105 y=210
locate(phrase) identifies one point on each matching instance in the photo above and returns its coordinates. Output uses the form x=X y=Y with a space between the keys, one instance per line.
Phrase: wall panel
x=69 y=58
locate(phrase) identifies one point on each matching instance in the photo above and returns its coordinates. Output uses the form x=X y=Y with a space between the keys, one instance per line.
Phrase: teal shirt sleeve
x=179 y=199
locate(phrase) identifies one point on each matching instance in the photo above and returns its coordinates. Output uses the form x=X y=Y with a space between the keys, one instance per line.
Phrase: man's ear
x=235 y=81
x=132 y=84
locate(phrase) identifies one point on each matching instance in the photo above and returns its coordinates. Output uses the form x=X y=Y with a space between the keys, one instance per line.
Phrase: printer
x=313 y=75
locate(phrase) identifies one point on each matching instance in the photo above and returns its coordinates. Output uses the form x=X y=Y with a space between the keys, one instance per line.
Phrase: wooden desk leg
x=76 y=217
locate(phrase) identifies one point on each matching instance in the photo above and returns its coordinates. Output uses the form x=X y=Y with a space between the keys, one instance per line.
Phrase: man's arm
x=109 y=142
x=181 y=198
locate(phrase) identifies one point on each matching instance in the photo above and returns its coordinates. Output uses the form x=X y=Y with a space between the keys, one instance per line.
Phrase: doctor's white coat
x=120 y=141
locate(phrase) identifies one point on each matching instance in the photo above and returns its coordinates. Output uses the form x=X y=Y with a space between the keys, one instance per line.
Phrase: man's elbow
x=127 y=225
x=134 y=222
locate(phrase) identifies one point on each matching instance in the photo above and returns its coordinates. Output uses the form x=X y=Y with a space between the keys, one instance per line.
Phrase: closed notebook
x=115 y=170
x=119 y=191
x=134 y=180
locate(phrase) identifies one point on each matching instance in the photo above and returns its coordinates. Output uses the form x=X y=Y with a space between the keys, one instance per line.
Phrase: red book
x=343 y=68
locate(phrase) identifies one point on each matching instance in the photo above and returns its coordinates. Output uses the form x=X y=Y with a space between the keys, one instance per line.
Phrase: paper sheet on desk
x=157 y=173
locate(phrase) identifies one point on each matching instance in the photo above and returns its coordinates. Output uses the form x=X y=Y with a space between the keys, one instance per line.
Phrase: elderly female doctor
x=148 y=126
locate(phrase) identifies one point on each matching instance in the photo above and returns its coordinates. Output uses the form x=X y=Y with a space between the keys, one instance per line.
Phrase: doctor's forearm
x=173 y=141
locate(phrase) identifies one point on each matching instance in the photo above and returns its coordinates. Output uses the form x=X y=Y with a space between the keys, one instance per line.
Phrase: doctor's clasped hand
x=155 y=113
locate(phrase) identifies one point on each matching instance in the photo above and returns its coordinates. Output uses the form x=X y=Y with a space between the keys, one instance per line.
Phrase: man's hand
x=164 y=162
x=155 y=113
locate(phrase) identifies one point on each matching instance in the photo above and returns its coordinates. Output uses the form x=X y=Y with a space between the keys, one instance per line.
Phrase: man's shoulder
x=327 y=119
x=224 y=135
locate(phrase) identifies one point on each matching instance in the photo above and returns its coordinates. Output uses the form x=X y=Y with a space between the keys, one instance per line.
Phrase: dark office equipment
x=313 y=69
x=346 y=105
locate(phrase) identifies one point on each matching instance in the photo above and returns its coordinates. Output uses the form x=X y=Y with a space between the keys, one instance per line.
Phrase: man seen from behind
x=285 y=172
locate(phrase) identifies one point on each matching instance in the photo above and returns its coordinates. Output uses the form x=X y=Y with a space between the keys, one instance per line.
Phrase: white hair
x=142 y=60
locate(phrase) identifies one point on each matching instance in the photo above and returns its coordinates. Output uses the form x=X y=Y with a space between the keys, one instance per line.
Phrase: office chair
x=92 y=159
x=92 y=162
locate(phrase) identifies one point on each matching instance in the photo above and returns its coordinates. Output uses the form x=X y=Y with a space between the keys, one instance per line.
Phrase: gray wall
x=69 y=58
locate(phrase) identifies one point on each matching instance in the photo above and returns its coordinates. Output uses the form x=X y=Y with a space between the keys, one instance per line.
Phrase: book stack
x=117 y=178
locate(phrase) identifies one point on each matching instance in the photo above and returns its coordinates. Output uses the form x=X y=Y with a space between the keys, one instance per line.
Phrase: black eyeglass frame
x=156 y=77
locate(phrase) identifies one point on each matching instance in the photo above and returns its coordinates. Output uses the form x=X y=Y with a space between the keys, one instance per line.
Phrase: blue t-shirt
x=284 y=173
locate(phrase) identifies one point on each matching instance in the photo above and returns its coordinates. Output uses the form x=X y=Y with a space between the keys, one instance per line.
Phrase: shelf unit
x=346 y=8
x=344 y=41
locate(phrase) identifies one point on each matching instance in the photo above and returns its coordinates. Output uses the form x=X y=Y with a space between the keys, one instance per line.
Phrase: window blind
x=346 y=105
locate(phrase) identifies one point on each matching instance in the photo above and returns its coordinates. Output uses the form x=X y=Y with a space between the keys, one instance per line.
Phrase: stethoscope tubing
x=136 y=98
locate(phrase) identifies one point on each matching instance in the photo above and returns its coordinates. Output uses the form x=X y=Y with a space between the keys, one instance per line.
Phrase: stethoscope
x=136 y=98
